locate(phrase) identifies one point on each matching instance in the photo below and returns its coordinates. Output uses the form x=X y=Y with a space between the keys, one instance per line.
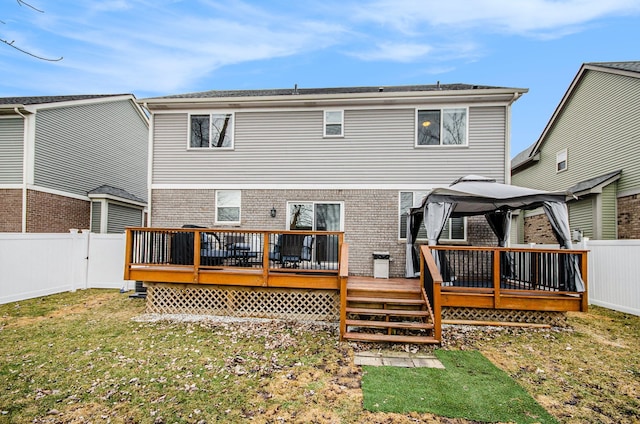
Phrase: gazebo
x=477 y=195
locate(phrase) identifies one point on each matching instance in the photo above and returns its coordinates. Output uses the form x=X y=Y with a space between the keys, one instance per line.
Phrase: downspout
x=25 y=156
x=507 y=158
x=149 y=164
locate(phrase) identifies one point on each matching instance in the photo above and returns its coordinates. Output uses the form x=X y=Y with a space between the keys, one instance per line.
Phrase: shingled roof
x=36 y=100
x=632 y=66
x=116 y=192
x=320 y=91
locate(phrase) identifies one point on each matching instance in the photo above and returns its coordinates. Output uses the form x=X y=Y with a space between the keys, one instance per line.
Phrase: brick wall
x=10 y=210
x=50 y=213
x=537 y=229
x=370 y=219
x=479 y=233
x=629 y=217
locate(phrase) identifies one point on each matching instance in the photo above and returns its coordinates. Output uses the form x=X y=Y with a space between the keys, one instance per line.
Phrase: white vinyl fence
x=614 y=273
x=33 y=265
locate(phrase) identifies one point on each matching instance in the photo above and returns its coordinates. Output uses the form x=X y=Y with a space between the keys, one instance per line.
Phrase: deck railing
x=504 y=277
x=234 y=257
x=209 y=248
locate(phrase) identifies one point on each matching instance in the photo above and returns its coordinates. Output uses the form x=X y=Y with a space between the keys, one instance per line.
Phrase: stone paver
x=397 y=359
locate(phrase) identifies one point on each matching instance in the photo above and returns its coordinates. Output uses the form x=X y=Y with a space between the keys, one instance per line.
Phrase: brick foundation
x=10 y=210
x=50 y=213
x=629 y=217
x=370 y=219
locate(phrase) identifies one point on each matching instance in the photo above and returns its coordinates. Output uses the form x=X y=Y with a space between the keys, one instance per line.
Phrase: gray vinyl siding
x=121 y=216
x=83 y=147
x=288 y=147
x=11 y=150
x=96 y=216
x=600 y=129
x=609 y=212
x=581 y=214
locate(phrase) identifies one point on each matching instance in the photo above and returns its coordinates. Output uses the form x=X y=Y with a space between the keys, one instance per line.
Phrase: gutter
x=369 y=98
x=25 y=155
x=507 y=156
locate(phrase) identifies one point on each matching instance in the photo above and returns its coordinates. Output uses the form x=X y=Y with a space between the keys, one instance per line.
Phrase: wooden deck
x=369 y=309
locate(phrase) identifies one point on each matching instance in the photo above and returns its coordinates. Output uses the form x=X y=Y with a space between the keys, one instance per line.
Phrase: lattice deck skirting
x=554 y=319
x=257 y=302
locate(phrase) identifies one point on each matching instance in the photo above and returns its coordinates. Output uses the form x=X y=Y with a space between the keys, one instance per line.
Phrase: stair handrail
x=431 y=280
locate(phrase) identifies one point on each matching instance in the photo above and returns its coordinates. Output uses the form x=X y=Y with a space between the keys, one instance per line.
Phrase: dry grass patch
x=80 y=357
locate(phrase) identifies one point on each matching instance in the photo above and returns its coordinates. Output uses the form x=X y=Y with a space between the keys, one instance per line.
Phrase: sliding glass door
x=318 y=216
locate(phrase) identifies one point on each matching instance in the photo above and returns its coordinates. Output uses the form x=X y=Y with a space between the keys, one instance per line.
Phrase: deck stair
x=394 y=311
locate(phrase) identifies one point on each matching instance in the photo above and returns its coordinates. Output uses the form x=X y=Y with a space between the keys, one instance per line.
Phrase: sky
x=161 y=47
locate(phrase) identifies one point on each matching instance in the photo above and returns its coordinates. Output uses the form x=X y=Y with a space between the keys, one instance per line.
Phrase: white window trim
x=211 y=113
x=314 y=203
x=562 y=154
x=217 y=221
x=441 y=146
x=324 y=123
x=442 y=238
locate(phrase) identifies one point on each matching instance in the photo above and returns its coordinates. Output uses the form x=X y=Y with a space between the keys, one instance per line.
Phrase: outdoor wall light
x=273 y=212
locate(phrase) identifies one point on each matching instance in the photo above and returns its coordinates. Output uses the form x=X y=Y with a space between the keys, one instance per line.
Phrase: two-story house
x=69 y=162
x=349 y=159
x=591 y=148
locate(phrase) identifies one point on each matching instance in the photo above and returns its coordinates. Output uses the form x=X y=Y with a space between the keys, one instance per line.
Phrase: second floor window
x=333 y=123
x=441 y=127
x=211 y=131
x=561 y=161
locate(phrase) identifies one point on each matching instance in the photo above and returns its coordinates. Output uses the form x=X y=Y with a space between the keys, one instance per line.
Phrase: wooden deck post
x=196 y=256
x=265 y=259
x=128 y=249
x=584 y=269
x=496 y=279
x=344 y=277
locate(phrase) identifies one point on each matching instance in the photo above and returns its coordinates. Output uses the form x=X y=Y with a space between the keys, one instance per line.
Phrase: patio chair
x=291 y=249
x=239 y=250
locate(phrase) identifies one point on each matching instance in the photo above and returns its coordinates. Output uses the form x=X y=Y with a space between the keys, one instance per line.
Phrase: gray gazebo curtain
x=435 y=218
x=412 y=267
x=500 y=223
x=559 y=219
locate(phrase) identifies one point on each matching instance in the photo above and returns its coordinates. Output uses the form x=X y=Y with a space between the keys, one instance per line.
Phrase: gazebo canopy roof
x=477 y=195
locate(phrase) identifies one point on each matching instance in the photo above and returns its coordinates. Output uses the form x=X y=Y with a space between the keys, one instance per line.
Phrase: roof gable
x=628 y=69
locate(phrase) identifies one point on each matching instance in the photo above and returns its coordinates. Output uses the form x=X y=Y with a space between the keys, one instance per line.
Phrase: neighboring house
x=72 y=162
x=591 y=148
x=337 y=159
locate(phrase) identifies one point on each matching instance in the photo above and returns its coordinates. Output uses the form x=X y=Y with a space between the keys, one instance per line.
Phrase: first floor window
x=441 y=127
x=333 y=123
x=228 y=206
x=455 y=228
x=211 y=131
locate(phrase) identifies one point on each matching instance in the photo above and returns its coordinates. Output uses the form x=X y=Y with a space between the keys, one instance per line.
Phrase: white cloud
x=395 y=52
x=526 y=17
x=158 y=49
